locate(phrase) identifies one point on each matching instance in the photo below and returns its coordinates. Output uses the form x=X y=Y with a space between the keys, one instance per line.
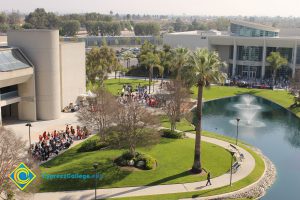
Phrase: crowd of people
x=280 y=83
x=50 y=144
x=138 y=94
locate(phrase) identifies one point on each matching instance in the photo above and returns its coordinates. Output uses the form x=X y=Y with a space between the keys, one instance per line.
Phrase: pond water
x=263 y=124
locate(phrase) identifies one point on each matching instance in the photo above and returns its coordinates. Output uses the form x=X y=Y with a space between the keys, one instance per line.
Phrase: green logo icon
x=22 y=176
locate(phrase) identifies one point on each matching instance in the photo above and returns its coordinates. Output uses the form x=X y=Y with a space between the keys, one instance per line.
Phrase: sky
x=284 y=8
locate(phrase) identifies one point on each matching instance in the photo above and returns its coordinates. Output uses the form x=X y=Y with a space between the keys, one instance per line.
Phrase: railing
x=9 y=95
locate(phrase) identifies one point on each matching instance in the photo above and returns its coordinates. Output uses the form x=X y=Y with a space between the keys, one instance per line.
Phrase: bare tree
x=135 y=127
x=12 y=151
x=174 y=102
x=99 y=113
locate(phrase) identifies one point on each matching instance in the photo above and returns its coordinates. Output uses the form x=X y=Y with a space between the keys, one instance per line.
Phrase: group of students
x=140 y=94
x=50 y=144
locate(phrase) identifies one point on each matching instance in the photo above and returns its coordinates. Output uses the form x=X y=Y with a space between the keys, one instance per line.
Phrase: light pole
x=237 y=130
x=232 y=153
x=95 y=167
x=29 y=125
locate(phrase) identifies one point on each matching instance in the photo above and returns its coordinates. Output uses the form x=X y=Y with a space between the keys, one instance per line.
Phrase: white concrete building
x=245 y=48
x=39 y=76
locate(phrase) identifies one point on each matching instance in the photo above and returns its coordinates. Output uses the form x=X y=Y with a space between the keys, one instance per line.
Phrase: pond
x=273 y=129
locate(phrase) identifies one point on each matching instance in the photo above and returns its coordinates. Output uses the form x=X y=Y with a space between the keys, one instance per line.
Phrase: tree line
x=69 y=25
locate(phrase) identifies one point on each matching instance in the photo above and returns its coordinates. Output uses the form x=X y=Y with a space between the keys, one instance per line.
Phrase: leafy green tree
x=4 y=27
x=103 y=27
x=91 y=28
x=204 y=69
x=99 y=62
x=70 y=28
x=38 y=18
x=222 y=24
x=149 y=28
x=276 y=61
x=53 y=21
x=14 y=18
x=180 y=26
x=3 y=18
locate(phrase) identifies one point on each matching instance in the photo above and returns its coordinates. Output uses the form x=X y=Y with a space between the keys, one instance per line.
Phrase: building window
x=251 y=53
x=239 y=30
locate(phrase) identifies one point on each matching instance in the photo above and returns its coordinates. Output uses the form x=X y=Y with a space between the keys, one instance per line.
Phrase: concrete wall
x=42 y=49
x=72 y=67
x=3 y=39
x=27 y=105
x=189 y=41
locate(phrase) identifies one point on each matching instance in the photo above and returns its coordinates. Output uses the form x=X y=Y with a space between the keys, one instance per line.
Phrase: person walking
x=208 y=179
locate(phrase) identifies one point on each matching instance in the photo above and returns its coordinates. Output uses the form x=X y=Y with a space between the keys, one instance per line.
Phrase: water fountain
x=247 y=111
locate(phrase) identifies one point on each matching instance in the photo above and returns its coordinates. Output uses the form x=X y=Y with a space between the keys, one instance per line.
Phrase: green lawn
x=169 y=153
x=251 y=178
x=184 y=125
x=113 y=85
x=280 y=97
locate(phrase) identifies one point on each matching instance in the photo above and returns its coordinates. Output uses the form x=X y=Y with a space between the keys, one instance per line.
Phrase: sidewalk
x=246 y=168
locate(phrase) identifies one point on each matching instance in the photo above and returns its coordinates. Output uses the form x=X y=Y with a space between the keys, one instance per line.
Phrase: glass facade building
x=251 y=53
x=244 y=31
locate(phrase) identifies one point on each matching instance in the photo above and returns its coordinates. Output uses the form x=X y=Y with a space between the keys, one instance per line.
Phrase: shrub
x=149 y=161
x=92 y=145
x=141 y=161
x=124 y=159
x=167 y=133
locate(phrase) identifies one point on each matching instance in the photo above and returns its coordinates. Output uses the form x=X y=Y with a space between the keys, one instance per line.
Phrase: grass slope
x=251 y=178
x=174 y=161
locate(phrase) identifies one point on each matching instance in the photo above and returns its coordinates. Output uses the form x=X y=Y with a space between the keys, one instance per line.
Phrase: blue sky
x=188 y=7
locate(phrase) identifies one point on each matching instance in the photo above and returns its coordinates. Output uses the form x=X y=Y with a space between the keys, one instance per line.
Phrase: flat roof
x=254 y=25
x=12 y=59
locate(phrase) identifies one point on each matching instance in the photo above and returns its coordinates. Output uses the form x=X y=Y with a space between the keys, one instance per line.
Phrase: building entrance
x=9 y=112
x=249 y=72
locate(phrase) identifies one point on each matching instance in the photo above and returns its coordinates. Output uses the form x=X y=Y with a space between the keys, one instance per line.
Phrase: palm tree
x=276 y=61
x=204 y=65
x=166 y=57
x=151 y=60
x=179 y=60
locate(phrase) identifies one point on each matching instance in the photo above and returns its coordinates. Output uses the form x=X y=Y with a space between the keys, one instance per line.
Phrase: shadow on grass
x=251 y=92
x=170 y=178
x=158 y=182
x=110 y=173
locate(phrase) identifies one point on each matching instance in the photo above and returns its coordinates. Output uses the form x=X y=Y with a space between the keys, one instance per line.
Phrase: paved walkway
x=246 y=168
x=38 y=127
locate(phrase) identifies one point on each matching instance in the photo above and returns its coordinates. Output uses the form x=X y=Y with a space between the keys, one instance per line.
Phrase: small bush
x=167 y=133
x=149 y=161
x=92 y=145
x=124 y=159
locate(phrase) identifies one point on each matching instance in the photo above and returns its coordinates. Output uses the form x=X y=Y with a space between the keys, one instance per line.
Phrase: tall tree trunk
x=173 y=126
x=197 y=168
x=274 y=75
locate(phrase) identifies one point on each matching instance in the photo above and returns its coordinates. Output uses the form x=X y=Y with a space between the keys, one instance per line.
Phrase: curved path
x=246 y=168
